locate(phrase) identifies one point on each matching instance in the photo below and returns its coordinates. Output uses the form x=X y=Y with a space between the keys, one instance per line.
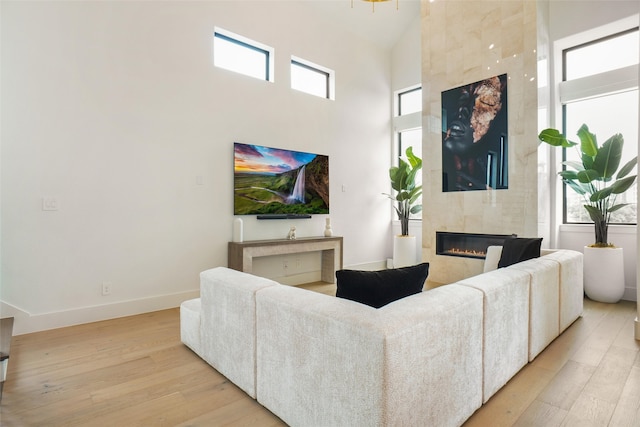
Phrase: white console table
x=241 y=254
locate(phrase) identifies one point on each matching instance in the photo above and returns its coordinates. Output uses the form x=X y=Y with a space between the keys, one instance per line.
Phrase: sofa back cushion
x=228 y=323
x=492 y=258
x=379 y=288
x=325 y=361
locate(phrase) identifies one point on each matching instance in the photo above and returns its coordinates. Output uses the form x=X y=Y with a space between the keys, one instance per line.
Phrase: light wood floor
x=134 y=371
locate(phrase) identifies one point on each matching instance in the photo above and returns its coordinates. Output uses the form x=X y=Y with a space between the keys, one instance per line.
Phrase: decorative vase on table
x=596 y=178
x=407 y=194
x=237 y=230
x=327 y=228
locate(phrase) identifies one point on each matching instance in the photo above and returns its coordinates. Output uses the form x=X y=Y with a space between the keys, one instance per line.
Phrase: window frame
x=404 y=123
x=402 y=93
x=328 y=73
x=247 y=43
x=584 y=88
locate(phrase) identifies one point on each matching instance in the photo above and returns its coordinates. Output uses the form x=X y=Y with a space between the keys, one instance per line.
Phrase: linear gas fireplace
x=467 y=245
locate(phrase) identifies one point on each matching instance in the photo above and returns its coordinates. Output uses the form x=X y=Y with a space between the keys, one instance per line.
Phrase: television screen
x=273 y=181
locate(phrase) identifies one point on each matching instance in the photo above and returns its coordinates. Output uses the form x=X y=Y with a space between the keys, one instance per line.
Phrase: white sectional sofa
x=432 y=358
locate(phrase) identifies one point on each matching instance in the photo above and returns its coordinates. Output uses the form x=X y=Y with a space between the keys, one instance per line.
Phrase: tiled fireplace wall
x=464 y=42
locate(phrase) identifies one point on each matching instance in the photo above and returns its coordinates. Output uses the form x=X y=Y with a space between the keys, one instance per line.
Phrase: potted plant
x=597 y=179
x=406 y=196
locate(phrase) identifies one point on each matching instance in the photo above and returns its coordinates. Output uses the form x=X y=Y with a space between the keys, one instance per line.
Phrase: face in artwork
x=474 y=137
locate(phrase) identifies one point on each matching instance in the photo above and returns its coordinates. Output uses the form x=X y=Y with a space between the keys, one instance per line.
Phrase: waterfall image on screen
x=298 y=188
x=278 y=181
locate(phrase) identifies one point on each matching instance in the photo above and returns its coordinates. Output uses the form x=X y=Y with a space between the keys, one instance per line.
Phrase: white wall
x=406 y=58
x=563 y=24
x=115 y=109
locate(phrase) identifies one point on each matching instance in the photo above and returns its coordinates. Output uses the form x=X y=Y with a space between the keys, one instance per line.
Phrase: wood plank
x=594 y=349
x=506 y=406
x=609 y=379
x=567 y=385
x=542 y=414
x=589 y=411
x=627 y=412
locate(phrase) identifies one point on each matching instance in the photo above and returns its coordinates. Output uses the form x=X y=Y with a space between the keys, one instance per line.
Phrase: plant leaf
x=616 y=207
x=568 y=174
x=594 y=213
x=608 y=157
x=414 y=161
x=601 y=194
x=555 y=138
x=588 y=176
x=623 y=184
x=587 y=161
x=402 y=195
x=627 y=168
x=577 y=187
x=588 y=141
x=576 y=165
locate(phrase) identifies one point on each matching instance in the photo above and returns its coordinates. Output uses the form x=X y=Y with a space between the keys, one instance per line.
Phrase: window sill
x=588 y=228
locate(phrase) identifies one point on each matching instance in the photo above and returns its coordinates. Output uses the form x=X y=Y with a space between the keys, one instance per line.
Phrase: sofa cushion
x=492 y=258
x=190 y=312
x=378 y=288
x=517 y=249
x=327 y=362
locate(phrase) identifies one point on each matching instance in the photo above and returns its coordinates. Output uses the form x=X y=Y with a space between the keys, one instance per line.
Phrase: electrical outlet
x=106 y=288
x=50 y=204
x=285 y=265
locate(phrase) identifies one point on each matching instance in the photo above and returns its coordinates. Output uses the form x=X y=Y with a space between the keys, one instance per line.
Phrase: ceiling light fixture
x=373 y=4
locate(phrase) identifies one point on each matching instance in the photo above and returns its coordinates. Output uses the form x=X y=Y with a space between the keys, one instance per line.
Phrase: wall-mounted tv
x=277 y=182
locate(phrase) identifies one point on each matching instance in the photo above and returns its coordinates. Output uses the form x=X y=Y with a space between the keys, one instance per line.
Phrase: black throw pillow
x=378 y=288
x=517 y=249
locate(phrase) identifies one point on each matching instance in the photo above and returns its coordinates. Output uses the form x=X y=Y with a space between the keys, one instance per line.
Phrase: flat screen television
x=274 y=182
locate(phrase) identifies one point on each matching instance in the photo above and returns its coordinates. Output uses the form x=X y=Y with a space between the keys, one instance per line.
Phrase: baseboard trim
x=26 y=323
x=630 y=294
x=369 y=266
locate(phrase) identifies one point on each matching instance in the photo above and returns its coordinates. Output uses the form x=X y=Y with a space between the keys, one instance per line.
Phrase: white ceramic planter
x=604 y=274
x=404 y=251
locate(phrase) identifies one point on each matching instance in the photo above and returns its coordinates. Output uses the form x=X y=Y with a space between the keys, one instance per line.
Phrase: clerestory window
x=311 y=78
x=242 y=55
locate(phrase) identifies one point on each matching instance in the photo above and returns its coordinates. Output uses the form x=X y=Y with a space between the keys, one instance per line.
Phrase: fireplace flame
x=457 y=251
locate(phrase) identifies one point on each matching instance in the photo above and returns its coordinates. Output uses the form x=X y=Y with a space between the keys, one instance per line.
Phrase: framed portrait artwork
x=474 y=136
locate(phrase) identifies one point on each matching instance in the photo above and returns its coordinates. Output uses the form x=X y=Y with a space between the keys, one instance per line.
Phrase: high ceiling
x=384 y=26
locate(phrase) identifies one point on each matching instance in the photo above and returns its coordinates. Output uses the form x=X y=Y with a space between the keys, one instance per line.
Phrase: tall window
x=408 y=126
x=408 y=121
x=600 y=89
x=242 y=55
x=311 y=78
x=410 y=101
